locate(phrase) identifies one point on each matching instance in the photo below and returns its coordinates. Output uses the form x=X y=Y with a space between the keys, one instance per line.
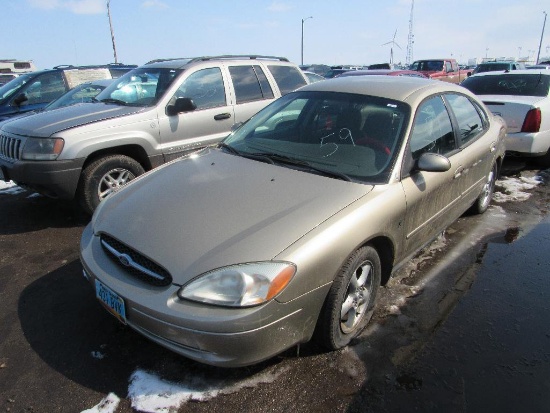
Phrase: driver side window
x=205 y=88
x=432 y=130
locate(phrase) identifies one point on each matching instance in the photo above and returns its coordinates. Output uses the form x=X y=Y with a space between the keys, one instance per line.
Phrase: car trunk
x=513 y=109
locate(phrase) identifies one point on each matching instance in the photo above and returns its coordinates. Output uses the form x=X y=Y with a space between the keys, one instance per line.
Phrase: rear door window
x=470 y=123
x=287 y=77
x=250 y=84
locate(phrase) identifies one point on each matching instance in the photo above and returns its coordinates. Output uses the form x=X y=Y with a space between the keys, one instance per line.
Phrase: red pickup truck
x=441 y=69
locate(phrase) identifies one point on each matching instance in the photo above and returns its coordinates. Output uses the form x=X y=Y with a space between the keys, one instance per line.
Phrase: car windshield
x=535 y=84
x=347 y=136
x=14 y=85
x=139 y=87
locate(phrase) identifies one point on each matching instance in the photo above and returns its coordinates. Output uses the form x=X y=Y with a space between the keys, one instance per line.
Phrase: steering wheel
x=374 y=144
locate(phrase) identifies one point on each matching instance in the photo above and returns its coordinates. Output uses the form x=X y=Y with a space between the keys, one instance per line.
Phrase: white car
x=522 y=98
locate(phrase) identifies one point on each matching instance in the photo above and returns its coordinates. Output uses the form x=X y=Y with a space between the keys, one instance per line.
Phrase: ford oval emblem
x=124 y=260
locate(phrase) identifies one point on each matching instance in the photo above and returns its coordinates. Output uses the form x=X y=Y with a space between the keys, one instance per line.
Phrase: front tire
x=350 y=302
x=104 y=176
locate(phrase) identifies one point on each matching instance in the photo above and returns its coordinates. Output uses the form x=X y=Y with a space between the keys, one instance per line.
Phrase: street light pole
x=541 y=36
x=111 y=27
x=303 y=20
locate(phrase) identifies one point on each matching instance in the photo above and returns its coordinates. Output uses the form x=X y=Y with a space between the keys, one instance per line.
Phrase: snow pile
x=10 y=188
x=151 y=394
x=108 y=405
x=513 y=189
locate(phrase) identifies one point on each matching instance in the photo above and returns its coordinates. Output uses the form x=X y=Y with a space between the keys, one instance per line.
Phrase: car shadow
x=68 y=329
x=23 y=211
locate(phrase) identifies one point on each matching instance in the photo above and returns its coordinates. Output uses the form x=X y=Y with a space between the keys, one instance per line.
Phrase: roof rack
x=206 y=58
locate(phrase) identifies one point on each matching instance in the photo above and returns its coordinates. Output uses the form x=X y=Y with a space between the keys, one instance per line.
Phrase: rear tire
x=104 y=176
x=350 y=302
x=484 y=199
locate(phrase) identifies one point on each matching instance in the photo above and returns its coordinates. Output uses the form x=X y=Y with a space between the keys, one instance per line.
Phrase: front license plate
x=111 y=300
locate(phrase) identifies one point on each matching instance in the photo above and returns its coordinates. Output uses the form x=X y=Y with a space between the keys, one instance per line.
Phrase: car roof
x=180 y=63
x=400 y=88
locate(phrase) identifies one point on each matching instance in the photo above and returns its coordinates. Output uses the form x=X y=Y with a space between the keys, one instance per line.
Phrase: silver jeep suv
x=151 y=115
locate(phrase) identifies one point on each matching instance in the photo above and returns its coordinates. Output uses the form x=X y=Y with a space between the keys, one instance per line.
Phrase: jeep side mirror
x=181 y=105
x=20 y=99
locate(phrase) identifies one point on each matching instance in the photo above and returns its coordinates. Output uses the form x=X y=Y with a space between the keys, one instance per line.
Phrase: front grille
x=10 y=148
x=135 y=263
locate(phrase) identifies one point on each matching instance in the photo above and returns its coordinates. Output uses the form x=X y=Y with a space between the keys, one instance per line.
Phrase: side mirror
x=433 y=162
x=181 y=105
x=20 y=99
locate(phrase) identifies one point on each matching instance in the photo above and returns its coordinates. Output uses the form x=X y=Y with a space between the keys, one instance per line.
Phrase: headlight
x=42 y=149
x=240 y=285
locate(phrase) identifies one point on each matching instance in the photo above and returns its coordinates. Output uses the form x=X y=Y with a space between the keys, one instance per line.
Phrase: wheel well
x=385 y=249
x=135 y=152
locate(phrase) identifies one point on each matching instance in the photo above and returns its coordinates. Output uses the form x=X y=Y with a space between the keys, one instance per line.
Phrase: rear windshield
x=535 y=84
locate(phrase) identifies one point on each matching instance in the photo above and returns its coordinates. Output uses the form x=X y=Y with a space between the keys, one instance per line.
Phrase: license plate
x=111 y=301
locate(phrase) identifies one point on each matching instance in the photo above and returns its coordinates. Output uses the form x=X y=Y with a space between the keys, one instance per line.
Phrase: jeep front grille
x=135 y=263
x=10 y=148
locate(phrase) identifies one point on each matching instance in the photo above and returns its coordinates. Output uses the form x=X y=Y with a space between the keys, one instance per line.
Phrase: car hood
x=45 y=124
x=214 y=209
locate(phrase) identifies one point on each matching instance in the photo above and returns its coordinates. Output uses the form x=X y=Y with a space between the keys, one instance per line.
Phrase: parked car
x=313 y=77
x=34 y=90
x=498 y=66
x=386 y=72
x=83 y=93
x=289 y=226
x=522 y=98
x=149 y=116
x=538 y=67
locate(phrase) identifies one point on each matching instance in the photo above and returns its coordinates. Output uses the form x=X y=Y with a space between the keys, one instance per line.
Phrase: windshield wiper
x=229 y=149
x=116 y=101
x=274 y=157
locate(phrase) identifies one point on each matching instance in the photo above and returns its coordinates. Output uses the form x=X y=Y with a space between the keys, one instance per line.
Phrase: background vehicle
x=313 y=77
x=498 y=65
x=338 y=184
x=522 y=98
x=441 y=69
x=151 y=115
x=386 y=72
x=32 y=91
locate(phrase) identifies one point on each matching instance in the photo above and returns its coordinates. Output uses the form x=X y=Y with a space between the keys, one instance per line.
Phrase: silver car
x=288 y=227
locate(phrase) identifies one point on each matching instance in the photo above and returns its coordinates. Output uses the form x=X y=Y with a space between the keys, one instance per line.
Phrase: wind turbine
x=392 y=42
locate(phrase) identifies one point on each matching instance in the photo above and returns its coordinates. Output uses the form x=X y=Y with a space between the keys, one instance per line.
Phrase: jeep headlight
x=42 y=149
x=241 y=285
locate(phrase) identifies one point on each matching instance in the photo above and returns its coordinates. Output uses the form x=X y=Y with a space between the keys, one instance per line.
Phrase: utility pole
x=303 y=20
x=111 y=26
x=541 y=36
x=411 y=39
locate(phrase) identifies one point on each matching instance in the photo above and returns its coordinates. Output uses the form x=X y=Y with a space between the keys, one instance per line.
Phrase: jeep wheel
x=104 y=176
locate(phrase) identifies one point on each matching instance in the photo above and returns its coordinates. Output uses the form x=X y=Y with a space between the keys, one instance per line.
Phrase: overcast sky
x=55 y=32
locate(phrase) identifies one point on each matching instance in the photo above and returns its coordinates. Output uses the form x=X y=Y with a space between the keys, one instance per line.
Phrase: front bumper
x=219 y=336
x=56 y=179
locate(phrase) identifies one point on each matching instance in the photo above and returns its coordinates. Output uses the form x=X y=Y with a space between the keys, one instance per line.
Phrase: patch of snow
x=9 y=188
x=108 y=405
x=151 y=394
x=513 y=189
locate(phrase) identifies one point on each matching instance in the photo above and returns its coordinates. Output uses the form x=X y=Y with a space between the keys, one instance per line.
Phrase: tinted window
x=247 y=85
x=509 y=84
x=469 y=122
x=205 y=88
x=432 y=130
x=287 y=77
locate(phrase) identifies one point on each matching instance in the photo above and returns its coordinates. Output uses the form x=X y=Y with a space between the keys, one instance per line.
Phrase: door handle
x=222 y=116
x=458 y=172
